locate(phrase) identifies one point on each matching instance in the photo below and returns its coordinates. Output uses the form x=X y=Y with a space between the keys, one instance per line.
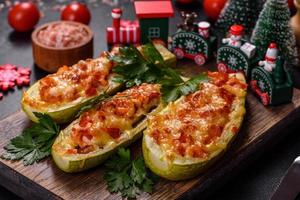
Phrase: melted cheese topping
x=84 y=79
x=105 y=124
x=192 y=126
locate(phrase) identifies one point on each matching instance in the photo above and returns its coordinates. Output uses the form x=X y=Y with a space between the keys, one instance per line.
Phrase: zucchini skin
x=187 y=169
x=82 y=162
x=67 y=113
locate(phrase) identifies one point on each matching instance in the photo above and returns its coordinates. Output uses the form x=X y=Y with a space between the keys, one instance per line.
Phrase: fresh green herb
x=91 y=103
x=134 y=68
x=34 y=143
x=171 y=92
x=126 y=176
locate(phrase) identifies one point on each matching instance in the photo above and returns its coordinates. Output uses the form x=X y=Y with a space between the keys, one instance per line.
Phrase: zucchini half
x=66 y=112
x=181 y=168
x=79 y=162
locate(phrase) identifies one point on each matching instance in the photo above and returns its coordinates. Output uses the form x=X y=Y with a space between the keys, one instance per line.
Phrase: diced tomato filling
x=107 y=121
x=213 y=133
x=84 y=120
x=218 y=78
x=236 y=82
x=235 y=129
x=196 y=121
x=114 y=132
x=69 y=83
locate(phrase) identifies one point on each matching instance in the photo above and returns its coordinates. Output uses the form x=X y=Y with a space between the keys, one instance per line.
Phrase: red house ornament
x=154 y=19
x=122 y=31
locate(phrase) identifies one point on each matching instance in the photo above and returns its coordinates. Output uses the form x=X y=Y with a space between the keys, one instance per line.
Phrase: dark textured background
x=257 y=181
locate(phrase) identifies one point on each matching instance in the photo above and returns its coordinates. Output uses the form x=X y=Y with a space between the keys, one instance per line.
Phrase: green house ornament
x=270 y=81
x=154 y=19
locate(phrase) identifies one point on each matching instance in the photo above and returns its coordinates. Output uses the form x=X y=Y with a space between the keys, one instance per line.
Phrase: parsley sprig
x=134 y=68
x=126 y=176
x=34 y=143
x=92 y=103
x=171 y=92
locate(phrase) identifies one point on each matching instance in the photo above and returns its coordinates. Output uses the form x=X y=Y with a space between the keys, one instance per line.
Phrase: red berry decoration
x=213 y=8
x=23 y=16
x=76 y=12
x=291 y=4
x=10 y=76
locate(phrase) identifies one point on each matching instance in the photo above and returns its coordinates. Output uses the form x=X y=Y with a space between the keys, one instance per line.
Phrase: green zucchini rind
x=80 y=162
x=66 y=112
x=184 y=168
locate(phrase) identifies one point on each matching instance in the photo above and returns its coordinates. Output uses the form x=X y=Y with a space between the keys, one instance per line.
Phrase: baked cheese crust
x=194 y=126
x=86 y=79
x=109 y=121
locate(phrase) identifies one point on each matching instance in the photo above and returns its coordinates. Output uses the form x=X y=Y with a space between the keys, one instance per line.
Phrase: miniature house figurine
x=236 y=34
x=270 y=59
x=154 y=19
x=121 y=31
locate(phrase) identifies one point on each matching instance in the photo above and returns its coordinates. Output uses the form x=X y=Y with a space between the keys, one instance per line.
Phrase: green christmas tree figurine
x=273 y=26
x=242 y=12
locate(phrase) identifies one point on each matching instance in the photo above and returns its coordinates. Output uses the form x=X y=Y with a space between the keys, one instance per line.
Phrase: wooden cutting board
x=45 y=181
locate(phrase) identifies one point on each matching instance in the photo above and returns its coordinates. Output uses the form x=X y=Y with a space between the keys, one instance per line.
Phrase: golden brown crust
x=193 y=126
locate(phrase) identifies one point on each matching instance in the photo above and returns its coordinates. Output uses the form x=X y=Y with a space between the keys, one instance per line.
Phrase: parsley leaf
x=92 y=102
x=173 y=92
x=134 y=68
x=34 y=143
x=128 y=177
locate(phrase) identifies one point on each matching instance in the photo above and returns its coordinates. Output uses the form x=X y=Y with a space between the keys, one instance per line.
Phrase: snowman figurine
x=236 y=34
x=270 y=58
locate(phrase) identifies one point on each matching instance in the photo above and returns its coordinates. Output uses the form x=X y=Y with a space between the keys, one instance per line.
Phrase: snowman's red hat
x=272 y=52
x=236 y=30
x=116 y=13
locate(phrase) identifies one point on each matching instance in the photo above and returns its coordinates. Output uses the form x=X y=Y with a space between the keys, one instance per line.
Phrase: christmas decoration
x=153 y=24
x=154 y=19
x=273 y=26
x=121 y=31
x=213 y=8
x=243 y=12
x=10 y=76
x=271 y=82
x=193 y=40
x=260 y=4
x=236 y=54
x=236 y=32
x=270 y=59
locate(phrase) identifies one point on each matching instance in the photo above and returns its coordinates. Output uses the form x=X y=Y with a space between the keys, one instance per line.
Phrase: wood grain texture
x=44 y=180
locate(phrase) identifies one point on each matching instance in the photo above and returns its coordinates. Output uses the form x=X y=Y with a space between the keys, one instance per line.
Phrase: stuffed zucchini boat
x=62 y=94
x=191 y=133
x=97 y=133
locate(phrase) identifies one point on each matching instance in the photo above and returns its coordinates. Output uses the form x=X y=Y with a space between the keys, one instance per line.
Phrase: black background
x=257 y=181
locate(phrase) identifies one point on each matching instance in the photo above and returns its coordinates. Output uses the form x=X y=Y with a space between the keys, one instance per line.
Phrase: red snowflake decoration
x=11 y=75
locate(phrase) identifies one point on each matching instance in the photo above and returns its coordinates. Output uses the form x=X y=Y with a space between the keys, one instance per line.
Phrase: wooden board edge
x=23 y=186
